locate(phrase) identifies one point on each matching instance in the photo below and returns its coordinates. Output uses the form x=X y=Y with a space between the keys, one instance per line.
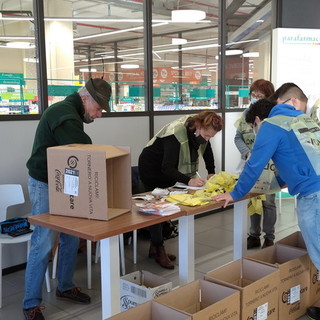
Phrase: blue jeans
x=269 y=219
x=308 y=210
x=42 y=242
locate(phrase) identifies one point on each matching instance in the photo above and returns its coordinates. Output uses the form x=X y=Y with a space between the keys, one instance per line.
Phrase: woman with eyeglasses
x=171 y=156
x=244 y=139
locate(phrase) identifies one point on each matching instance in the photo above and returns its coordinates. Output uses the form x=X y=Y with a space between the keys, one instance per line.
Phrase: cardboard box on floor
x=294 y=285
x=151 y=310
x=204 y=300
x=258 y=285
x=141 y=286
x=296 y=240
x=89 y=181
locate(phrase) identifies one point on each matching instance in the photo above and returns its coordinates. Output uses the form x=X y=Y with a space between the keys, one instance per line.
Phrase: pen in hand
x=199 y=181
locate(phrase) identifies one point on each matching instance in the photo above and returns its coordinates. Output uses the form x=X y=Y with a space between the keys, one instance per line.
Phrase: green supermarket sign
x=11 y=78
x=16 y=96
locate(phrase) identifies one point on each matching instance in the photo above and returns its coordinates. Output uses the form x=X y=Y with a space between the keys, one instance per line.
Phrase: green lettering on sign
x=11 y=78
x=173 y=98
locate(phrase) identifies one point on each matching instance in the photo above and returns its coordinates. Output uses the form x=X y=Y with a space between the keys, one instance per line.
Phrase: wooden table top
x=95 y=230
x=212 y=205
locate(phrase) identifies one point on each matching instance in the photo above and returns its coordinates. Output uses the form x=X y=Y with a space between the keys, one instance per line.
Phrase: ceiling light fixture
x=31 y=60
x=178 y=41
x=87 y=70
x=117 y=32
x=251 y=55
x=16 y=38
x=129 y=66
x=16 y=18
x=187 y=15
x=233 y=52
x=20 y=45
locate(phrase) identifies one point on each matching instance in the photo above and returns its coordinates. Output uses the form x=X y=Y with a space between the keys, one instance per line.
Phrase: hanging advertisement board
x=295 y=58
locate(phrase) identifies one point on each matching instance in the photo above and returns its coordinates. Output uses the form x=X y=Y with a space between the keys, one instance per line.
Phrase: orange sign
x=160 y=75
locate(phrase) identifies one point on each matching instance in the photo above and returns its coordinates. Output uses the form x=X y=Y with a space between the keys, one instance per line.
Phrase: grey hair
x=84 y=92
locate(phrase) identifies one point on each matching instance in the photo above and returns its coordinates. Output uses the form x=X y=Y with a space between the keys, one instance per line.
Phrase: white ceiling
x=128 y=36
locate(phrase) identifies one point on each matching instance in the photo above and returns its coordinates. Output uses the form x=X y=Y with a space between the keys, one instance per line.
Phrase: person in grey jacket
x=244 y=140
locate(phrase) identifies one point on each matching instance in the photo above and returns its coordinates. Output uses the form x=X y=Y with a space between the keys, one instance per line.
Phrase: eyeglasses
x=253 y=125
x=257 y=95
x=286 y=101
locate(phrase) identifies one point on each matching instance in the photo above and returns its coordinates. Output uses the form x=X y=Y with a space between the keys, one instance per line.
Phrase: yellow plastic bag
x=255 y=205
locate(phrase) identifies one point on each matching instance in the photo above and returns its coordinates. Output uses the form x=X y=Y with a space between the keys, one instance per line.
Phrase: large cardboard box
x=258 y=285
x=151 y=310
x=296 y=240
x=294 y=286
x=141 y=286
x=89 y=181
x=204 y=300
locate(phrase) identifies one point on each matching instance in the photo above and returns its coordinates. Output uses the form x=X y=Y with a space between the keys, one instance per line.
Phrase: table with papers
x=108 y=231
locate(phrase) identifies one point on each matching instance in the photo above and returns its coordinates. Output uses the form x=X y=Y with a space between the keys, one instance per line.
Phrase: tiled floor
x=213 y=248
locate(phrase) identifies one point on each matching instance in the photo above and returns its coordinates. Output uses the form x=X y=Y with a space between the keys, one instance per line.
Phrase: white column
x=59 y=42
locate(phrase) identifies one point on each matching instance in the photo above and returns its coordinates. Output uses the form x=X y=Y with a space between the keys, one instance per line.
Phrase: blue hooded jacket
x=285 y=150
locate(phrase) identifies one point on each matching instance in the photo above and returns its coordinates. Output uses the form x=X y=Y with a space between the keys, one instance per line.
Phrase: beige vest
x=178 y=129
x=314 y=111
x=307 y=132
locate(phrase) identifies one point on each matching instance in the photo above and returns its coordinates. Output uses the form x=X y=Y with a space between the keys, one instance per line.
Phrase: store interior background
x=186 y=77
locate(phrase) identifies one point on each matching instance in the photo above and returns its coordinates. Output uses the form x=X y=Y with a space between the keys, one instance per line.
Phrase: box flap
x=252 y=272
x=152 y=280
x=212 y=292
x=161 y=312
x=134 y=277
x=109 y=150
x=231 y=272
x=151 y=310
x=294 y=240
x=182 y=298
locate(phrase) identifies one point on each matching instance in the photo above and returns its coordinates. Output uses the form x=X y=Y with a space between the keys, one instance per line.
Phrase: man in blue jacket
x=292 y=140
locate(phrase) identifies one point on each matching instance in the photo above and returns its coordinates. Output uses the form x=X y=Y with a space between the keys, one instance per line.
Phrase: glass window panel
x=101 y=39
x=18 y=86
x=184 y=64
x=247 y=49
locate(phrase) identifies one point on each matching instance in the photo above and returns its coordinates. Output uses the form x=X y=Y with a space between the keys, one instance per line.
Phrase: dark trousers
x=155 y=230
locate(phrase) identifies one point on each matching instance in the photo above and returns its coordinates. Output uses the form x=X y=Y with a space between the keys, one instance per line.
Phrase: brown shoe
x=153 y=252
x=163 y=259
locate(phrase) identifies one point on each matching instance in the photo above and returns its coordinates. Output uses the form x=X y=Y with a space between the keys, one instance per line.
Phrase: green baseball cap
x=100 y=91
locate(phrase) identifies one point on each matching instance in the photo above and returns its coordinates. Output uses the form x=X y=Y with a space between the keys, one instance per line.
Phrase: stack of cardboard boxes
x=278 y=282
x=274 y=283
x=296 y=240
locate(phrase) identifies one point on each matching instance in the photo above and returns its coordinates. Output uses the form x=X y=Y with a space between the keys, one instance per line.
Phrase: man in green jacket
x=60 y=124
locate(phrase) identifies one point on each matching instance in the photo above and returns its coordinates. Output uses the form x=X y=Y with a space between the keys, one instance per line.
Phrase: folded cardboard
x=141 y=286
x=89 y=181
x=258 y=285
x=151 y=310
x=296 y=240
x=204 y=300
x=294 y=266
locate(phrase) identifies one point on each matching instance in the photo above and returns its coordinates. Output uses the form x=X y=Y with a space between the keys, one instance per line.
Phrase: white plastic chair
x=12 y=194
x=97 y=255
